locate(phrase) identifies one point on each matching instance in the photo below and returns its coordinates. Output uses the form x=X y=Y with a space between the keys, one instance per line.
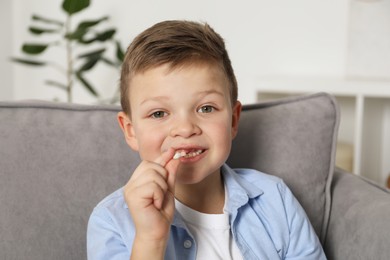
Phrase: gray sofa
x=59 y=160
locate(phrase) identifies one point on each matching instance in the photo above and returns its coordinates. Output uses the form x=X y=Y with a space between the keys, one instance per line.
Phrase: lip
x=188 y=147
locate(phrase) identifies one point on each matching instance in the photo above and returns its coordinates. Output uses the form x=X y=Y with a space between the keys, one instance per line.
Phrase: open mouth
x=187 y=153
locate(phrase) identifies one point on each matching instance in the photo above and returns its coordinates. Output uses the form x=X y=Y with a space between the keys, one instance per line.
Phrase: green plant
x=85 y=46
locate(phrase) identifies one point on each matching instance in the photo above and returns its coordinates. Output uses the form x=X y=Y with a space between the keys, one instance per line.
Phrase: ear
x=236 y=112
x=128 y=130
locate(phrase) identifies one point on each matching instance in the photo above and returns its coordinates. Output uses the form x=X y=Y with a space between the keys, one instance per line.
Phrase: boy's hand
x=149 y=195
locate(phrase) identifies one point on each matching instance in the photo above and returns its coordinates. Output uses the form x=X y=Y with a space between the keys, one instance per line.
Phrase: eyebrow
x=209 y=92
x=157 y=98
x=166 y=98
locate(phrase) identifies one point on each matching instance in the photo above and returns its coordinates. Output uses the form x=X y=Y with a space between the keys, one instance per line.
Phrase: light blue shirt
x=266 y=221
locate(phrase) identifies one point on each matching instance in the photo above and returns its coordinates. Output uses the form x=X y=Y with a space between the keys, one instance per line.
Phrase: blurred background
x=278 y=48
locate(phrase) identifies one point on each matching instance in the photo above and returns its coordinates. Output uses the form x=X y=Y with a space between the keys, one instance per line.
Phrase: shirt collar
x=239 y=190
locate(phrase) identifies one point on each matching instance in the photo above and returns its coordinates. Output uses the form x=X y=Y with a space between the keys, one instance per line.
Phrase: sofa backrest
x=295 y=139
x=59 y=160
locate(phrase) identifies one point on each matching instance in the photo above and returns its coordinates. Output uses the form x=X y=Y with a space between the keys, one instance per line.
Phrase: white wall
x=264 y=37
x=6 y=90
x=369 y=39
x=369 y=57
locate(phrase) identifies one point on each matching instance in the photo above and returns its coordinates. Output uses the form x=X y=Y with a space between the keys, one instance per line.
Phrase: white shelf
x=336 y=86
x=359 y=101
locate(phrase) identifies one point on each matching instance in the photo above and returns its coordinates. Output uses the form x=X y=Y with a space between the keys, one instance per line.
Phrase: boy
x=180 y=112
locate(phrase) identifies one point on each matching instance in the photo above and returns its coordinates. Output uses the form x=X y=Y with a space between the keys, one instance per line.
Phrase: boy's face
x=188 y=109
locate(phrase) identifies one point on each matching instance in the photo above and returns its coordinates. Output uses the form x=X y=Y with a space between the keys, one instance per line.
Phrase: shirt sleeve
x=103 y=240
x=303 y=243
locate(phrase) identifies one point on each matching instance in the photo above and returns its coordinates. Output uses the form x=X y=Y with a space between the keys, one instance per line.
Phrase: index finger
x=166 y=161
x=165 y=157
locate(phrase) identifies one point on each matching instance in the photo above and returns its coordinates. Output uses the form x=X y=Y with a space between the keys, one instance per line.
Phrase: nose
x=185 y=127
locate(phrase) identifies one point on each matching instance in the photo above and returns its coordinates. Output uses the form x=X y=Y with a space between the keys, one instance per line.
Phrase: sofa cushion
x=294 y=139
x=59 y=160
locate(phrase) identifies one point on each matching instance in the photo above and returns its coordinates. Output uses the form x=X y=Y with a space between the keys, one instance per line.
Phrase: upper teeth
x=184 y=154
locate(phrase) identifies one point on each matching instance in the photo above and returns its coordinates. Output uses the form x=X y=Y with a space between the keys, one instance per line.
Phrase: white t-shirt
x=212 y=234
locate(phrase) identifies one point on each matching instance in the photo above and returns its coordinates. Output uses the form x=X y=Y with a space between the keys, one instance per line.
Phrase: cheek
x=222 y=133
x=150 y=142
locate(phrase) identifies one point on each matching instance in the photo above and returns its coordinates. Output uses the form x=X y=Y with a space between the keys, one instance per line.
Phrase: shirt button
x=187 y=244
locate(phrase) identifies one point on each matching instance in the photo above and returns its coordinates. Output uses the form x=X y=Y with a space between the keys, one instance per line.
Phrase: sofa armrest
x=359 y=226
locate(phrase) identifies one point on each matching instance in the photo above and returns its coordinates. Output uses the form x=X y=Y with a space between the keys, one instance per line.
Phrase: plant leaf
x=86 y=84
x=28 y=62
x=106 y=35
x=47 y=20
x=34 y=49
x=101 y=37
x=74 y=6
x=120 y=54
x=78 y=34
x=93 y=53
x=83 y=28
x=107 y=61
x=89 y=64
x=56 y=84
x=92 y=59
x=91 y=23
x=36 y=30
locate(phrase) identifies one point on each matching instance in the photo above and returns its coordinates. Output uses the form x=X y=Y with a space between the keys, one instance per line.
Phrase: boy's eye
x=206 y=109
x=158 y=114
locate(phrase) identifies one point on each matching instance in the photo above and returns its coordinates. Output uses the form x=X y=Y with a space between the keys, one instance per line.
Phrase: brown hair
x=175 y=43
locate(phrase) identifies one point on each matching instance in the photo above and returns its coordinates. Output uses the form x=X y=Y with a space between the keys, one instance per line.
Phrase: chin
x=188 y=175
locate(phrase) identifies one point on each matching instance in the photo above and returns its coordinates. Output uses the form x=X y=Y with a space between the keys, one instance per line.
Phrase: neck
x=207 y=196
